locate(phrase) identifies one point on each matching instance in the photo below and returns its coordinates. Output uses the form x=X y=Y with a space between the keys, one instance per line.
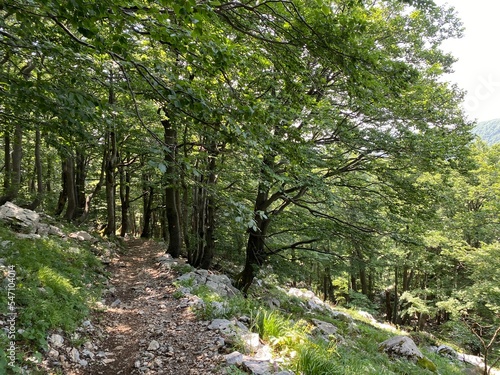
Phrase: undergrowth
x=353 y=350
x=56 y=280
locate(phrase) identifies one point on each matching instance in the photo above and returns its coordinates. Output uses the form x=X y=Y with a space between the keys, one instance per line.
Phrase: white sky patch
x=478 y=68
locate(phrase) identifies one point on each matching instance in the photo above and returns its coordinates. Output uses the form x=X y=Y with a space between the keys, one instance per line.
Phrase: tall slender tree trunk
x=97 y=188
x=124 y=197
x=395 y=307
x=147 y=202
x=255 y=250
x=171 y=206
x=111 y=161
x=38 y=171
x=111 y=184
x=14 y=183
x=80 y=178
x=8 y=166
x=69 y=176
x=204 y=214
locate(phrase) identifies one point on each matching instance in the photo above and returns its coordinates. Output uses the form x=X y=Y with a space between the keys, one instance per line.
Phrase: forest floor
x=144 y=329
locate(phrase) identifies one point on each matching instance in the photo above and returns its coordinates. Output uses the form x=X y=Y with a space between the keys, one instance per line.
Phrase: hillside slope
x=489 y=131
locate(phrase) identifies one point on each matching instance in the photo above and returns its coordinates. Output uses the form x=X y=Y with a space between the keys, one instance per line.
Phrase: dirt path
x=144 y=329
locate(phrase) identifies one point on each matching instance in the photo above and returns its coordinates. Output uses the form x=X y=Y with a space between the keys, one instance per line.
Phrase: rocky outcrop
x=403 y=347
x=20 y=219
x=30 y=225
x=220 y=284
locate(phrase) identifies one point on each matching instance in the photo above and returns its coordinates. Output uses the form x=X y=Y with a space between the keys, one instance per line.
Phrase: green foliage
x=360 y=301
x=317 y=359
x=427 y=364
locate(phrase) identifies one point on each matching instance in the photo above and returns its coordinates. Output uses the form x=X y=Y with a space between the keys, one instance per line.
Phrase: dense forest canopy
x=302 y=135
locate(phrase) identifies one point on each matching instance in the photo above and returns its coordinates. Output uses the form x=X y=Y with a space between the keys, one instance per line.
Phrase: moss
x=427 y=364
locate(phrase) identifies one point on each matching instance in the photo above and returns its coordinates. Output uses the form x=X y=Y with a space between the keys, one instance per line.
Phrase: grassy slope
x=56 y=281
x=287 y=330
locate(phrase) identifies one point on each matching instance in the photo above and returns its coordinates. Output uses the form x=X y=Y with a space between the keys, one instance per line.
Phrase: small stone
x=74 y=355
x=56 y=340
x=116 y=303
x=234 y=358
x=53 y=353
x=154 y=345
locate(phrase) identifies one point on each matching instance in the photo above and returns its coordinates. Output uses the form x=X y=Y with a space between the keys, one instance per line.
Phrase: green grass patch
x=56 y=282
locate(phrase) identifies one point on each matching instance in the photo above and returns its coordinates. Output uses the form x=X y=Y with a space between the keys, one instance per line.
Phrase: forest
x=315 y=140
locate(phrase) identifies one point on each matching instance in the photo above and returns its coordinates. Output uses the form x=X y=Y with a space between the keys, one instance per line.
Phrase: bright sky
x=478 y=68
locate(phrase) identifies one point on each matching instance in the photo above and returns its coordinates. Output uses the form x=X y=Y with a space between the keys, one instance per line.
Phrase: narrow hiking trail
x=143 y=328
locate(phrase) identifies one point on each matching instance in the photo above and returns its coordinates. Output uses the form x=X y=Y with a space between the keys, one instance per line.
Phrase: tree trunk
x=255 y=251
x=147 y=202
x=38 y=171
x=171 y=206
x=63 y=194
x=88 y=200
x=111 y=184
x=80 y=177
x=204 y=215
x=15 y=172
x=8 y=166
x=69 y=177
x=395 y=307
x=124 y=198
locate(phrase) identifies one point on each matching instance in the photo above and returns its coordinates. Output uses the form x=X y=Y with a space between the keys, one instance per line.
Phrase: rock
x=53 y=353
x=6 y=244
x=234 y=358
x=367 y=315
x=21 y=219
x=273 y=303
x=251 y=342
x=341 y=316
x=82 y=236
x=55 y=231
x=74 y=355
x=154 y=345
x=88 y=353
x=446 y=351
x=220 y=284
x=116 y=303
x=401 y=347
x=264 y=353
x=28 y=236
x=324 y=328
x=257 y=367
x=56 y=340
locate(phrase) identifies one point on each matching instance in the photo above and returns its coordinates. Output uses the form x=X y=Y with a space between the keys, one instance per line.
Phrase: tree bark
x=38 y=171
x=124 y=198
x=15 y=172
x=171 y=206
x=8 y=166
x=111 y=184
x=80 y=177
x=97 y=188
x=69 y=177
x=255 y=251
x=147 y=202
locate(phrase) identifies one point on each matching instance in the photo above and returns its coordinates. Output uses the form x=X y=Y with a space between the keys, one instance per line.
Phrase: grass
x=288 y=332
x=54 y=286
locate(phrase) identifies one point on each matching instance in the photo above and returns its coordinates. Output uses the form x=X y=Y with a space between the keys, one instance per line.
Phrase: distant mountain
x=489 y=131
